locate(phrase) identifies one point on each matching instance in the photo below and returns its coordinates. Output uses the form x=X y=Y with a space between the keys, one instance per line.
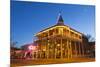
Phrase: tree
x=90 y=38
x=13 y=44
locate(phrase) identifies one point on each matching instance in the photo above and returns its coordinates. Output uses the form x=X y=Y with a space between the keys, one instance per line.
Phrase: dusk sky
x=28 y=18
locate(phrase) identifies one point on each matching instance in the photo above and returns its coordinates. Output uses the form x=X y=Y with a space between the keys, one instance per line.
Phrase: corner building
x=60 y=41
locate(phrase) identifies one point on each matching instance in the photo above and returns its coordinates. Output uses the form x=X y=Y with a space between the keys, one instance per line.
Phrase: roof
x=51 y=27
x=26 y=45
x=60 y=22
x=60 y=25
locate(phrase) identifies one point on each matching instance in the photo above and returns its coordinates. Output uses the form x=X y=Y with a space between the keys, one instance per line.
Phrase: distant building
x=25 y=46
x=29 y=50
x=61 y=41
x=14 y=51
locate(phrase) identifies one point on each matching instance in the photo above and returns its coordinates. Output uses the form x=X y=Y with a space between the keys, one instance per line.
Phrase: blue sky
x=28 y=18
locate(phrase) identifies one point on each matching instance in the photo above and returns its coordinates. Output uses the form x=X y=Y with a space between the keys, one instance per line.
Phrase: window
x=57 y=30
x=79 y=37
x=72 y=34
x=50 y=32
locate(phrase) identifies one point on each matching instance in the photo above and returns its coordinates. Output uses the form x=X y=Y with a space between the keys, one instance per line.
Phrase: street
x=23 y=62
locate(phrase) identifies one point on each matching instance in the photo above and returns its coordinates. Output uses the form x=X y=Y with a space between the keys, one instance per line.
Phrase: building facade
x=60 y=41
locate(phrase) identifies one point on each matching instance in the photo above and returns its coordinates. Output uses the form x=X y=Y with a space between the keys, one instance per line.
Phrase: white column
x=79 y=49
x=70 y=49
x=61 y=49
x=82 y=49
x=55 y=48
x=75 y=49
x=68 y=45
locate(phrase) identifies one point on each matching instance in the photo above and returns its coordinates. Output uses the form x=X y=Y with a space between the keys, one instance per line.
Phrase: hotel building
x=61 y=41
